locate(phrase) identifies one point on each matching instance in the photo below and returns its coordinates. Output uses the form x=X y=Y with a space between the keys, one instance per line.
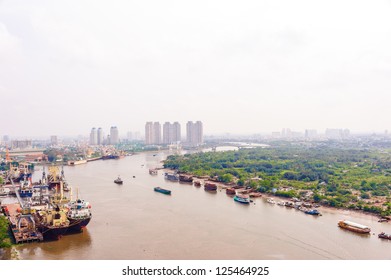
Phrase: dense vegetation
x=4 y=238
x=351 y=178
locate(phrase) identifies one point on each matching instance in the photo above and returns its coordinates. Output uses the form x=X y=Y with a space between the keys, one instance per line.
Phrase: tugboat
x=164 y=191
x=118 y=181
x=79 y=215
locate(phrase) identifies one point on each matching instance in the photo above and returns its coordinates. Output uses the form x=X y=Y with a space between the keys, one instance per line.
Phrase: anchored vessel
x=52 y=223
x=210 y=186
x=354 y=227
x=185 y=178
x=171 y=176
x=242 y=198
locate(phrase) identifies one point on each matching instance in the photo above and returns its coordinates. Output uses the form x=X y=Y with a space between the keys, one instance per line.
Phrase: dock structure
x=22 y=224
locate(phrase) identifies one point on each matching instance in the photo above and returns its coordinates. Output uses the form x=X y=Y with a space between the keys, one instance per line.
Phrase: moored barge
x=210 y=186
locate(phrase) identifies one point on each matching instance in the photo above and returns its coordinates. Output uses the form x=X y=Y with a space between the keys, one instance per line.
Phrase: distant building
x=311 y=133
x=194 y=133
x=148 y=133
x=276 y=134
x=21 y=144
x=93 y=137
x=152 y=133
x=157 y=138
x=100 y=137
x=171 y=133
x=333 y=133
x=114 y=135
x=53 y=140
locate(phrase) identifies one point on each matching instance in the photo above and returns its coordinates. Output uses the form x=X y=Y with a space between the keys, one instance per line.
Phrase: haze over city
x=239 y=67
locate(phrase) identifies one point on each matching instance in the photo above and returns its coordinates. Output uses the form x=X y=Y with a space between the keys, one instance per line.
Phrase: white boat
x=271 y=201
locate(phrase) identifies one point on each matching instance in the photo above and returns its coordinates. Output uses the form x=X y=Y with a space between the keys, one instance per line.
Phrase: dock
x=22 y=224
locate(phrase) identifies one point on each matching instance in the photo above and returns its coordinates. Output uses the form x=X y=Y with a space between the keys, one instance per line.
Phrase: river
x=131 y=221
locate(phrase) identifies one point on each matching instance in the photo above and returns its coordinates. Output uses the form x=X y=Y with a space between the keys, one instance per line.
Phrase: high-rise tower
x=93 y=137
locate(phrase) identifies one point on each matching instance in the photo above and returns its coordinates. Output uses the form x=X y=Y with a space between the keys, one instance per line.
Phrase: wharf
x=22 y=224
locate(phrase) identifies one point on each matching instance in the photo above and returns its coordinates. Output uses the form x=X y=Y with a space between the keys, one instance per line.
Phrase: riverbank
x=335 y=210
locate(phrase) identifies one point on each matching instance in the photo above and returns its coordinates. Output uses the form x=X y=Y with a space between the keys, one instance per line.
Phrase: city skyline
x=251 y=68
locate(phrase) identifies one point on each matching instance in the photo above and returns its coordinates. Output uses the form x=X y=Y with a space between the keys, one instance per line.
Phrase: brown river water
x=131 y=222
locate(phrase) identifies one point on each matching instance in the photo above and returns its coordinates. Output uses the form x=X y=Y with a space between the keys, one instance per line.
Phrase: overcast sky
x=238 y=66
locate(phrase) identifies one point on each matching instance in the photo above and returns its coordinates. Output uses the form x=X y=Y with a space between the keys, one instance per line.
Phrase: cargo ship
x=52 y=223
x=354 y=227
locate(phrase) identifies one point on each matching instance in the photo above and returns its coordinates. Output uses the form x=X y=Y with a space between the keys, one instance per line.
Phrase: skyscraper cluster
x=97 y=136
x=172 y=133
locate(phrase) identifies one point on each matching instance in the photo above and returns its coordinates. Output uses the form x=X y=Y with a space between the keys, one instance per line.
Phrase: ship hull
x=52 y=233
x=77 y=225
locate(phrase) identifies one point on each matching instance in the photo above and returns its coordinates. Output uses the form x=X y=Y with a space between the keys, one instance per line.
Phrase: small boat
x=271 y=201
x=384 y=236
x=118 y=181
x=281 y=203
x=354 y=227
x=161 y=190
x=312 y=212
x=242 y=198
x=153 y=171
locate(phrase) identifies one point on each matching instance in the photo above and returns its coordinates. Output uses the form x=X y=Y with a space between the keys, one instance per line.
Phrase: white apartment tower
x=100 y=136
x=114 y=135
x=171 y=133
x=93 y=137
x=194 y=133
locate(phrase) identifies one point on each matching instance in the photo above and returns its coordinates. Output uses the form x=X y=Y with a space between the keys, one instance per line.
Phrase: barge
x=355 y=227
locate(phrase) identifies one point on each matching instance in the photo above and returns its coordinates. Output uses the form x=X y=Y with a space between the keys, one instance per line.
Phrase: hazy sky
x=238 y=66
